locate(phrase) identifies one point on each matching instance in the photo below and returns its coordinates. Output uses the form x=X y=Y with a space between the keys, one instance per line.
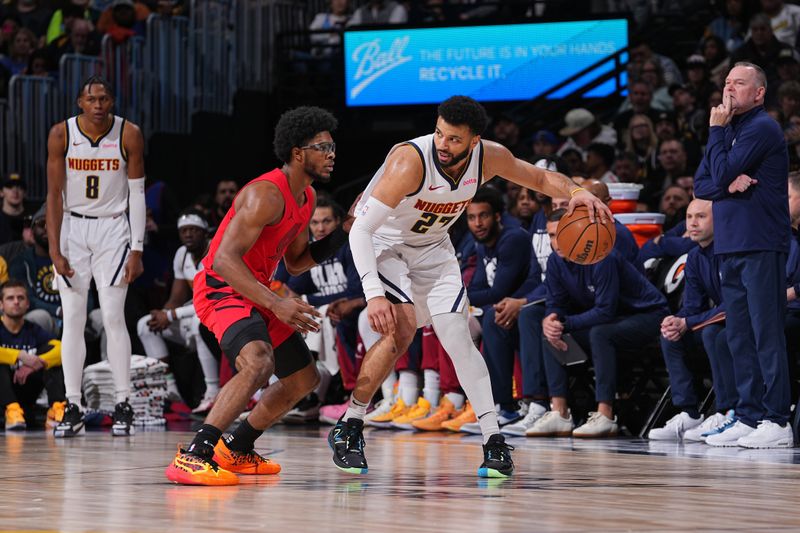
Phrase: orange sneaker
x=418 y=411
x=55 y=414
x=243 y=463
x=467 y=416
x=188 y=469
x=385 y=420
x=15 y=417
x=446 y=411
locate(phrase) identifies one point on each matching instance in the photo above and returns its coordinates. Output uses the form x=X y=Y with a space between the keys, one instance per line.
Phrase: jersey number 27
x=426 y=220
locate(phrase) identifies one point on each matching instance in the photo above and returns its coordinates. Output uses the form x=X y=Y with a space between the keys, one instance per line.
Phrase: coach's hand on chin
x=133 y=266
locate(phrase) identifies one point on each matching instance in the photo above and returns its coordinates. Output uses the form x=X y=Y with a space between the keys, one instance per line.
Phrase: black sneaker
x=347 y=442
x=123 y=420
x=306 y=410
x=72 y=424
x=496 y=458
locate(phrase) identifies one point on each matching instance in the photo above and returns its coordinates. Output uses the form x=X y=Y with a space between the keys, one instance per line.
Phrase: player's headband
x=192 y=220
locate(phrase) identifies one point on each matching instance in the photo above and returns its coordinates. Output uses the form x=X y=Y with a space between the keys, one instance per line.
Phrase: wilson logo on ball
x=584 y=255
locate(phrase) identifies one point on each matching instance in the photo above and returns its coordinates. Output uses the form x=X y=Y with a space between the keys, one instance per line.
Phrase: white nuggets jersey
x=423 y=218
x=97 y=171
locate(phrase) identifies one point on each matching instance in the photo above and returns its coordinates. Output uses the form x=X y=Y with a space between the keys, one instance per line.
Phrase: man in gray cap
x=582 y=129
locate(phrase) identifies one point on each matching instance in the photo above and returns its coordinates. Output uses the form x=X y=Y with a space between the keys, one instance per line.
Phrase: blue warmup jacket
x=588 y=295
x=756 y=220
x=702 y=285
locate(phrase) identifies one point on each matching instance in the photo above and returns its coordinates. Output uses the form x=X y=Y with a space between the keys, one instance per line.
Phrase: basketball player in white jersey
x=409 y=270
x=95 y=173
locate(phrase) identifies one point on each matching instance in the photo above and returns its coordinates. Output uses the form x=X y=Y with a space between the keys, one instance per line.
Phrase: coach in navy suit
x=744 y=172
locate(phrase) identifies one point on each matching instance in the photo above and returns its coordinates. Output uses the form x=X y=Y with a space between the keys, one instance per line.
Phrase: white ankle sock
x=456 y=399
x=387 y=387
x=356 y=409
x=408 y=389
x=430 y=387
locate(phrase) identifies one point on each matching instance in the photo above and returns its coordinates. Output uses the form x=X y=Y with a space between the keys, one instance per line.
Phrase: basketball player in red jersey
x=258 y=330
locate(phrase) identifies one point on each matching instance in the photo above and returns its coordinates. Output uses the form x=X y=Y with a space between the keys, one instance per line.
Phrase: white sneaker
x=551 y=424
x=731 y=435
x=473 y=428
x=205 y=405
x=381 y=408
x=518 y=429
x=696 y=434
x=597 y=426
x=675 y=427
x=504 y=418
x=768 y=434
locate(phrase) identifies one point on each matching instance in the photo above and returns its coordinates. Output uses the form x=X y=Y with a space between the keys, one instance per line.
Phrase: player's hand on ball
x=596 y=208
x=133 y=266
x=382 y=319
x=298 y=314
x=61 y=265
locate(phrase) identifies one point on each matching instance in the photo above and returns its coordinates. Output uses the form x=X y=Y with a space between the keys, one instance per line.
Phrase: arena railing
x=213 y=54
x=33 y=108
x=5 y=140
x=74 y=69
x=124 y=68
x=258 y=23
x=168 y=80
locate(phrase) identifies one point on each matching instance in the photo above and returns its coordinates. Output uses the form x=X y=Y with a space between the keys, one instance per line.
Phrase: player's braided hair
x=298 y=126
x=96 y=80
x=464 y=111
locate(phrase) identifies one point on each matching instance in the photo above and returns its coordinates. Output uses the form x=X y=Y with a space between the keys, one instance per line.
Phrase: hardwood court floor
x=417 y=482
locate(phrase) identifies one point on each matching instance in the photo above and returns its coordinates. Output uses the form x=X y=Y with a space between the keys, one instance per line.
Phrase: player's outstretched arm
x=258 y=205
x=302 y=256
x=402 y=176
x=133 y=142
x=499 y=161
x=56 y=176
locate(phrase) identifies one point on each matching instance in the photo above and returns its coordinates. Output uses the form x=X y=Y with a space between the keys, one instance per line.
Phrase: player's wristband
x=169 y=316
x=573 y=191
x=324 y=248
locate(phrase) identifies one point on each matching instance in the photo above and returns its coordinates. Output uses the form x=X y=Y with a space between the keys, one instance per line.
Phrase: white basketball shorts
x=95 y=248
x=427 y=276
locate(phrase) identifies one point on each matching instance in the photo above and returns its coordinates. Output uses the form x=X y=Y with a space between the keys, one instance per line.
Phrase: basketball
x=582 y=241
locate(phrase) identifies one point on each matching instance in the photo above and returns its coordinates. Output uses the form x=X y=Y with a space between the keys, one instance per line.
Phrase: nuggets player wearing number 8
x=95 y=173
x=409 y=270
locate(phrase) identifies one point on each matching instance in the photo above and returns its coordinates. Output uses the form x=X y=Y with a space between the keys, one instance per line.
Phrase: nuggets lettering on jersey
x=424 y=217
x=96 y=171
x=93 y=164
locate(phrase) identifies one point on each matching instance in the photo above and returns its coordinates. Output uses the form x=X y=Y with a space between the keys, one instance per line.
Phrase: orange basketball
x=583 y=242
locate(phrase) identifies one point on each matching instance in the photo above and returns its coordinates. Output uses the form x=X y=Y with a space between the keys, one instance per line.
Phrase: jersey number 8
x=92 y=187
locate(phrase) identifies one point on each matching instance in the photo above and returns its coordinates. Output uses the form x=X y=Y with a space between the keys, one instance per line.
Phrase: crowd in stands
x=524 y=295
x=35 y=34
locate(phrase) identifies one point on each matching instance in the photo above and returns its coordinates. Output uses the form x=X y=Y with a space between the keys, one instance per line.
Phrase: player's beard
x=492 y=234
x=317 y=177
x=456 y=159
